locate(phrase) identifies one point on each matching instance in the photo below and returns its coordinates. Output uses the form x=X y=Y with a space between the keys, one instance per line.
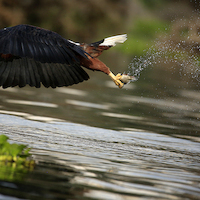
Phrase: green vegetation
x=143 y=35
x=15 y=160
x=152 y=4
x=17 y=153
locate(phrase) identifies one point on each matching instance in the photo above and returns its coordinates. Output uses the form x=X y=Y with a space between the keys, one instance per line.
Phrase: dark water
x=95 y=141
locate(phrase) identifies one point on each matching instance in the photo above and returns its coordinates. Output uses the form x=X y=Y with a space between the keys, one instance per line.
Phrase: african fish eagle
x=32 y=55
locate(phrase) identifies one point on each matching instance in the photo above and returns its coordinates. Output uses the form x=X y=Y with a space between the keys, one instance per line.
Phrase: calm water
x=95 y=141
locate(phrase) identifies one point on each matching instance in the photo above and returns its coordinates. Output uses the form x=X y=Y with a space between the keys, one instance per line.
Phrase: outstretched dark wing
x=31 y=55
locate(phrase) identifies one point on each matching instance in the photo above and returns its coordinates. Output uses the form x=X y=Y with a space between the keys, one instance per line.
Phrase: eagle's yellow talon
x=119 y=83
x=116 y=79
x=121 y=79
x=119 y=76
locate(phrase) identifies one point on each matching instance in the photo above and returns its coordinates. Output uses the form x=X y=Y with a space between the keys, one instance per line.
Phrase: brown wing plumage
x=95 y=49
x=31 y=55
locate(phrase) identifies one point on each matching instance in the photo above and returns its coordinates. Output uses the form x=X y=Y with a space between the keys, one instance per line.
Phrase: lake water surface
x=95 y=141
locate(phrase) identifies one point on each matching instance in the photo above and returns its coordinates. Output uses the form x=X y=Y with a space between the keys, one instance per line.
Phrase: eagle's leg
x=96 y=65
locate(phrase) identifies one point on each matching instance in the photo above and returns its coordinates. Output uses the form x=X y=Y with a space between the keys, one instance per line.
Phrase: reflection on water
x=96 y=141
x=31 y=103
x=87 y=104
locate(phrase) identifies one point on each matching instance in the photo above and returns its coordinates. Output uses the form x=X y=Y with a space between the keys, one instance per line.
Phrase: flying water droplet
x=181 y=52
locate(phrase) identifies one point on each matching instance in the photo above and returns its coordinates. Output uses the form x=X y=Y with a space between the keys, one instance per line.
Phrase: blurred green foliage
x=15 y=160
x=142 y=36
x=17 y=153
x=152 y=4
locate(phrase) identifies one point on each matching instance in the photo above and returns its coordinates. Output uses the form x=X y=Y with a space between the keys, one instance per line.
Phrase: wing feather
x=22 y=74
x=57 y=72
x=17 y=73
x=2 y=67
x=23 y=71
x=5 y=73
x=10 y=78
x=31 y=80
x=35 y=67
x=67 y=75
x=74 y=75
x=44 y=75
x=82 y=74
x=31 y=55
x=53 y=80
x=27 y=35
x=16 y=45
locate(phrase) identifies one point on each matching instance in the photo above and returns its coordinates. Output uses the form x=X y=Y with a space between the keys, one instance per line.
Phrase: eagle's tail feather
x=112 y=41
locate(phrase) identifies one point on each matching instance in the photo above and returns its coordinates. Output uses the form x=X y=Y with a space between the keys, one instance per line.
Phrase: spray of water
x=182 y=49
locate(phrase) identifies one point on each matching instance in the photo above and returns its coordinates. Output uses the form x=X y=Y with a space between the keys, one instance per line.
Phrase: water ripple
x=115 y=164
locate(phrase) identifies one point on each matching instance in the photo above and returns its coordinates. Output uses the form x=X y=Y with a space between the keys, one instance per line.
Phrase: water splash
x=180 y=48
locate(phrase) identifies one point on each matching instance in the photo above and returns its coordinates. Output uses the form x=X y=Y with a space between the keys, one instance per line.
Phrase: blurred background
x=92 y=20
